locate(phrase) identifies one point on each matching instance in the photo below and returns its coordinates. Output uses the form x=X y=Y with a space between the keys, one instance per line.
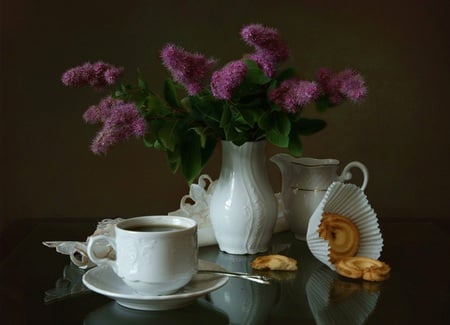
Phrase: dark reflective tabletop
x=39 y=285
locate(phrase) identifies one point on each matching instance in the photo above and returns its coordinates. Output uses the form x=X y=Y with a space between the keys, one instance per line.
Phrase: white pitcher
x=304 y=183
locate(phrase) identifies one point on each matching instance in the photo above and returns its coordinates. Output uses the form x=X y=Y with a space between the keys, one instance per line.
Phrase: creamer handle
x=347 y=175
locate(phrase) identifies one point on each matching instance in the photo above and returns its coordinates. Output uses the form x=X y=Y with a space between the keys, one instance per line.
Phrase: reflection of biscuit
x=371 y=287
x=363 y=267
x=341 y=234
x=274 y=263
x=343 y=290
x=276 y=275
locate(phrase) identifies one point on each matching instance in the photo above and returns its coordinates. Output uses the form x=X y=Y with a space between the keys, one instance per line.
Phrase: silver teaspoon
x=255 y=278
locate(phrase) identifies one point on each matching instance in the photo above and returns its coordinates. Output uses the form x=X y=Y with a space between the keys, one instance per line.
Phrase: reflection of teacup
x=113 y=313
x=155 y=255
x=335 y=300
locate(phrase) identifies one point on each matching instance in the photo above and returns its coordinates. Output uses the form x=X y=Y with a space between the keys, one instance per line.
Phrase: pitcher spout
x=282 y=160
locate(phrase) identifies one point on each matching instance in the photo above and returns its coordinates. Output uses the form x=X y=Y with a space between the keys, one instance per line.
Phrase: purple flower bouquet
x=248 y=99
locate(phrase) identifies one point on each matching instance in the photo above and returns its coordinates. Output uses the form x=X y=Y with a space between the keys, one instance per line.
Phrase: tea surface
x=154 y=228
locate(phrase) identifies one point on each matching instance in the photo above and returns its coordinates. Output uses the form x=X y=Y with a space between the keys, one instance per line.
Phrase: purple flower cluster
x=97 y=75
x=100 y=113
x=293 y=94
x=270 y=48
x=121 y=121
x=227 y=79
x=189 y=69
x=347 y=84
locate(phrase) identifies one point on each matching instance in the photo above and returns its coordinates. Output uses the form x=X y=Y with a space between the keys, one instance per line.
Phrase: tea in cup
x=155 y=255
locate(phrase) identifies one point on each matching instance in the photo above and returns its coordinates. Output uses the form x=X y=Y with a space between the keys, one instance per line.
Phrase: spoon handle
x=254 y=278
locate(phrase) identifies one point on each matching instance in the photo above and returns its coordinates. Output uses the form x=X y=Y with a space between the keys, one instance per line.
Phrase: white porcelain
x=332 y=298
x=103 y=280
x=243 y=208
x=348 y=200
x=77 y=250
x=304 y=183
x=195 y=205
x=152 y=262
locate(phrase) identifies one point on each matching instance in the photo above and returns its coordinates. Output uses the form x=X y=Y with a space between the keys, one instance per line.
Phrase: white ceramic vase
x=243 y=208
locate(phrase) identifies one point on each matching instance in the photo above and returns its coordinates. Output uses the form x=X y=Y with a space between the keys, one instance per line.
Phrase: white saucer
x=103 y=280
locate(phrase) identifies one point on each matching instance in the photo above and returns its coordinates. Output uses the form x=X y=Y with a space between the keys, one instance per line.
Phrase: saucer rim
x=203 y=264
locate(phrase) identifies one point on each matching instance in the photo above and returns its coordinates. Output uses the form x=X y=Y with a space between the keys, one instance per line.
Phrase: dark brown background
x=401 y=131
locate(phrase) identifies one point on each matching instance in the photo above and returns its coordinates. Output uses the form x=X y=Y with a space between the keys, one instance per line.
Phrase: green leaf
x=278 y=139
x=277 y=127
x=255 y=74
x=206 y=109
x=264 y=121
x=201 y=132
x=307 y=126
x=295 y=145
x=118 y=94
x=173 y=158
x=155 y=106
x=227 y=125
x=225 y=119
x=142 y=84
x=281 y=123
x=151 y=136
x=148 y=142
x=208 y=150
x=191 y=156
x=170 y=93
x=159 y=145
x=167 y=134
x=286 y=74
x=141 y=103
x=276 y=123
x=251 y=113
x=241 y=137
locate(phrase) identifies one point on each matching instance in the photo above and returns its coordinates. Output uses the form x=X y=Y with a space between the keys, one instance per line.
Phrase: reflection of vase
x=293 y=300
x=243 y=205
x=243 y=301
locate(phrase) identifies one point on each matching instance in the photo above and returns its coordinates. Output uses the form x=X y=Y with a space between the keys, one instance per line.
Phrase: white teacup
x=155 y=255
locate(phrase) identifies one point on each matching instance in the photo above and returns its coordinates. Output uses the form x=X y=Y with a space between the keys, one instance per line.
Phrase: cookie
x=342 y=236
x=275 y=263
x=358 y=267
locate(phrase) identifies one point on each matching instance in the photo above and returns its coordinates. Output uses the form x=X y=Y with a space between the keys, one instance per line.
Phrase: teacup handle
x=347 y=175
x=101 y=260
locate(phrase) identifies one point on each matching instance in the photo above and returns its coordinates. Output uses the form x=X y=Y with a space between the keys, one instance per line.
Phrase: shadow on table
x=199 y=312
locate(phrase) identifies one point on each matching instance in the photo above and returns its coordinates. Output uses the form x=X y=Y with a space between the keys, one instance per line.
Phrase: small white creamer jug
x=305 y=182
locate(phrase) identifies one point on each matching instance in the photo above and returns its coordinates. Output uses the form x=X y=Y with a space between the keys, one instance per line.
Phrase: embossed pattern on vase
x=243 y=206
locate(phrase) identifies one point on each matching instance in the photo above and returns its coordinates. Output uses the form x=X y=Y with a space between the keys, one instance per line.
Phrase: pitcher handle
x=347 y=175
